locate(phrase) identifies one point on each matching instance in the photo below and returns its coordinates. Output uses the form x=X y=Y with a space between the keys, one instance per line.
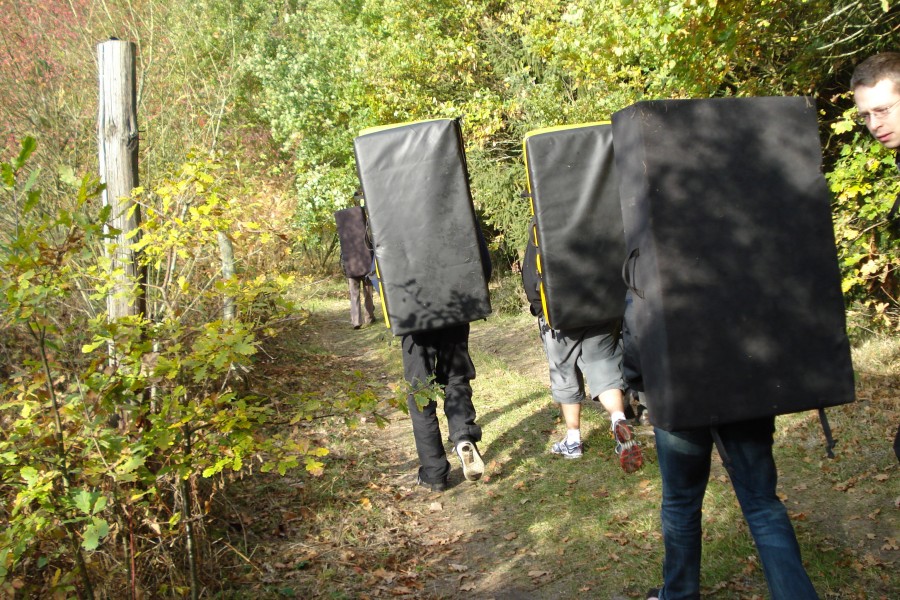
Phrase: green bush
x=507 y=294
x=865 y=185
x=109 y=426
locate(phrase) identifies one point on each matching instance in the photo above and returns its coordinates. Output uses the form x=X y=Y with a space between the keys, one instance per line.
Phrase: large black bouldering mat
x=738 y=310
x=416 y=186
x=578 y=220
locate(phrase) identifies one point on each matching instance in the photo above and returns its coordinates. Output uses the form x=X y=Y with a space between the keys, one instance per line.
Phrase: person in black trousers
x=441 y=357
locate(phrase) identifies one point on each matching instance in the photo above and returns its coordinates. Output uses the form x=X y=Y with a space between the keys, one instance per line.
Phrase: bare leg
x=572 y=415
x=630 y=456
x=613 y=401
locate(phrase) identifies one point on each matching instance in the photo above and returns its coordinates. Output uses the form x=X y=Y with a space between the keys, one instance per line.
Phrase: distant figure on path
x=356 y=261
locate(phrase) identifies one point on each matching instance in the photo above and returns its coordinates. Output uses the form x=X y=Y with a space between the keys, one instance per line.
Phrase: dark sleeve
x=485 y=254
x=530 y=280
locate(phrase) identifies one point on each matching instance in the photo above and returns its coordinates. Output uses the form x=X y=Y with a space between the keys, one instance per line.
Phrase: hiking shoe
x=440 y=486
x=567 y=450
x=653 y=593
x=630 y=456
x=472 y=465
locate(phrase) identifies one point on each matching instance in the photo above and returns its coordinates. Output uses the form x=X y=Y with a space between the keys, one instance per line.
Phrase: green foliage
x=102 y=420
x=508 y=296
x=865 y=184
x=498 y=186
x=507 y=68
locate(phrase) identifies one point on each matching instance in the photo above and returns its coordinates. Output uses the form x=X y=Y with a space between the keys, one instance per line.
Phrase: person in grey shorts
x=590 y=353
x=593 y=354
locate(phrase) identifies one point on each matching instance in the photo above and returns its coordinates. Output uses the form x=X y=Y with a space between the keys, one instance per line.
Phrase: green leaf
x=130 y=465
x=93 y=533
x=32 y=179
x=244 y=348
x=88 y=348
x=31 y=199
x=84 y=500
x=216 y=468
x=28 y=146
x=29 y=474
x=7 y=175
x=100 y=504
x=67 y=176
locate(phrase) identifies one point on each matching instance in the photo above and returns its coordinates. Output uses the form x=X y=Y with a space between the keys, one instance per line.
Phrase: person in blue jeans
x=684 y=459
x=684 y=464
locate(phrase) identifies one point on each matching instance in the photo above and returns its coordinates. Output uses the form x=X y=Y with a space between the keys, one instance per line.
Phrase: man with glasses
x=876 y=90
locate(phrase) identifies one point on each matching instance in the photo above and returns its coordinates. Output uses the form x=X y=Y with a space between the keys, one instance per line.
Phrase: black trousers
x=444 y=355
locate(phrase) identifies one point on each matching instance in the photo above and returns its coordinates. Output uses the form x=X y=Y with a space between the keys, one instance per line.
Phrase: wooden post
x=118 y=141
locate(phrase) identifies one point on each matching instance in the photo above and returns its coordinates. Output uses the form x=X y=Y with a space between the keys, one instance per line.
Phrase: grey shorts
x=589 y=353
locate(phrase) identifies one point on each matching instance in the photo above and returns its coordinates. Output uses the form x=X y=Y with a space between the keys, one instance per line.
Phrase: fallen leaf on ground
x=381 y=573
x=458 y=568
x=435 y=507
x=401 y=590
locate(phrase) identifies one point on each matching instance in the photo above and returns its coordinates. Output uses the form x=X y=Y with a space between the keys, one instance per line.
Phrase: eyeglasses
x=878 y=113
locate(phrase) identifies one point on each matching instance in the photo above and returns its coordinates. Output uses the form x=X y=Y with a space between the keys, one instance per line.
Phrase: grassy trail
x=537 y=526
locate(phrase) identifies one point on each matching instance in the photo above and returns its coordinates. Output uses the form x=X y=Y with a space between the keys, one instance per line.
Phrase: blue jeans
x=684 y=462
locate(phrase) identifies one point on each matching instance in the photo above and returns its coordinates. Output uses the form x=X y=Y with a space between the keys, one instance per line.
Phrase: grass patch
x=537 y=525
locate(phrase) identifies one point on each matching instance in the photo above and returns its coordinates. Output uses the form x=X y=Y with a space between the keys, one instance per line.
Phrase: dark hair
x=875 y=68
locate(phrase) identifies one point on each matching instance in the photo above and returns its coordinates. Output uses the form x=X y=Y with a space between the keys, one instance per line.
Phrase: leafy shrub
x=108 y=426
x=865 y=184
x=507 y=295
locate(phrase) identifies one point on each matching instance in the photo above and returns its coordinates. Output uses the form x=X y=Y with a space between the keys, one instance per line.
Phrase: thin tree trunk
x=226 y=250
x=186 y=500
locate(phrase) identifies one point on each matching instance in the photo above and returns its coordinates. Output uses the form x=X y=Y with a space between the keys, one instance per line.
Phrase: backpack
x=530 y=279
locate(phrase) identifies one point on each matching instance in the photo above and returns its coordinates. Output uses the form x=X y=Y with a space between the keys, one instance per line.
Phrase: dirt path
x=461 y=544
x=465 y=562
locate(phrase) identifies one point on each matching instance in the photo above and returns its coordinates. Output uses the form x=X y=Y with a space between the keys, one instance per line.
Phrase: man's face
x=883 y=97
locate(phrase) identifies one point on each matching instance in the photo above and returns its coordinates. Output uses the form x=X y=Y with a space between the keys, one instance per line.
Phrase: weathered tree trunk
x=118 y=142
x=226 y=251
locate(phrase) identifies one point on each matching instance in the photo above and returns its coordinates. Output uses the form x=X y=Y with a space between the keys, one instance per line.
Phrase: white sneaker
x=472 y=465
x=566 y=450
